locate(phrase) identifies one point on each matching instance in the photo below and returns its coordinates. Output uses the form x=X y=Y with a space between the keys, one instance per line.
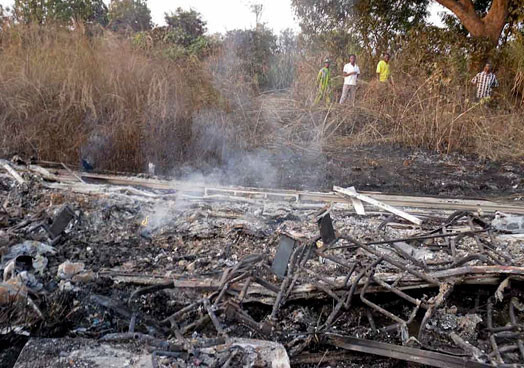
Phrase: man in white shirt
x=351 y=73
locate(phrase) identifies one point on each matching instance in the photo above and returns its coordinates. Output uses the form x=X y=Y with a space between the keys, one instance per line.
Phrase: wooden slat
x=428 y=202
x=13 y=173
x=352 y=193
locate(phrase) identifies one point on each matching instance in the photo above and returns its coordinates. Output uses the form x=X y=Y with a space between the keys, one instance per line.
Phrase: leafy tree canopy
x=42 y=11
x=185 y=26
x=129 y=15
x=378 y=23
x=372 y=23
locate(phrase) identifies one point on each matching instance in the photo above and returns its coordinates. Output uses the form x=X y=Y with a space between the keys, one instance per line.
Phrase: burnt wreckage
x=107 y=270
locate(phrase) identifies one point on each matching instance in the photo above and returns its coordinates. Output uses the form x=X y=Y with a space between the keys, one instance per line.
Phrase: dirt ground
x=400 y=170
x=385 y=168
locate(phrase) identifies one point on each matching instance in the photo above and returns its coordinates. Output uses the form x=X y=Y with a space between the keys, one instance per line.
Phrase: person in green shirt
x=324 y=83
x=383 y=72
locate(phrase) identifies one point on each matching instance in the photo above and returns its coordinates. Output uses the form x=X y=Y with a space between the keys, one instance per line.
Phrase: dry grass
x=63 y=94
x=424 y=112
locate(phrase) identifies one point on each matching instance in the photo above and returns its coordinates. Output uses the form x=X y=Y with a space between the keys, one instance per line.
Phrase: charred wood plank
x=404 y=353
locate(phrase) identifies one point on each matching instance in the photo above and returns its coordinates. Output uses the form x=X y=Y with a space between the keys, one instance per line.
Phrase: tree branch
x=467 y=4
x=497 y=14
x=490 y=26
x=464 y=10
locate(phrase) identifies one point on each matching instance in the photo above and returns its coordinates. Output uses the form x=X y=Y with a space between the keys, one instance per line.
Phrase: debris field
x=98 y=272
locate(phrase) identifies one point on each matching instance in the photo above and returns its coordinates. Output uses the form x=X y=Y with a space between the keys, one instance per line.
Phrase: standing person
x=485 y=81
x=351 y=73
x=324 y=83
x=383 y=72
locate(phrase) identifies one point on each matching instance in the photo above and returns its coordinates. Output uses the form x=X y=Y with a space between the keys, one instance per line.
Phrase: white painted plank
x=357 y=204
x=13 y=173
x=354 y=194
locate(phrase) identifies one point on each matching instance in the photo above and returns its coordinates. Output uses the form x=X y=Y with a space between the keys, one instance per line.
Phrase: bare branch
x=490 y=26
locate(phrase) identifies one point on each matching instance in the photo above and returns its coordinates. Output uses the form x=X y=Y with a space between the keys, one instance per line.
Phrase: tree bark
x=489 y=27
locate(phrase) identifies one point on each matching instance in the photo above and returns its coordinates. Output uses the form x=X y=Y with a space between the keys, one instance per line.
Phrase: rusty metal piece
x=148 y=290
x=245 y=288
x=492 y=340
x=400 y=293
x=475 y=352
x=394 y=262
x=332 y=258
x=354 y=286
x=493 y=254
x=444 y=290
x=226 y=285
x=214 y=319
x=175 y=316
x=415 y=238
x=514 y=322
x=234 y=312
x=371 y=321
x=382 y=310
x=195 y=324
x=320 y=277
x=328 y=291
x=492 y=249
x=346 y=301
x=469 y=258
x=350 y=273
x=302 y=260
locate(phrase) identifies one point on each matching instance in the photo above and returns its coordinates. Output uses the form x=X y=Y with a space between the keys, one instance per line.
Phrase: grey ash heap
x=103 y=270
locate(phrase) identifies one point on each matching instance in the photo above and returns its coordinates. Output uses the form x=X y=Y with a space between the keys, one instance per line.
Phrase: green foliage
x=3 y=14
x=200 y=46
x=515 y=26
x=380 y=23
x=142 y=40
x=374 y=24
x=185 y=27
x=428 y=49
x=30 y=11
x=183 y=37
x=174 y=52
x=64 y=11
x=514 y=55
x=283 y=62
x=129 y=16
x=254 y=48
x=159 y=41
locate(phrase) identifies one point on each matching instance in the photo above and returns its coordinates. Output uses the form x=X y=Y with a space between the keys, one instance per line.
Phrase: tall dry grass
x=432 y=109
x=64 y=95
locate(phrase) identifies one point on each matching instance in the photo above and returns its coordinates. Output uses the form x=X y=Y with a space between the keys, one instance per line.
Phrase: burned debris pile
x=96 y=274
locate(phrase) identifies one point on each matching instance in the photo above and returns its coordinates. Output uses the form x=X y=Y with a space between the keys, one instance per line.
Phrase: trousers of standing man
x=351 y=90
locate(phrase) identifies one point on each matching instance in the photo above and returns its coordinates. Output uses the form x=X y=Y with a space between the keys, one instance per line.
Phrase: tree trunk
x=489 y=27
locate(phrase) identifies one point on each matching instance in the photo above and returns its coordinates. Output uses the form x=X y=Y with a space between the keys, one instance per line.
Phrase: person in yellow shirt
x=383 y=72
